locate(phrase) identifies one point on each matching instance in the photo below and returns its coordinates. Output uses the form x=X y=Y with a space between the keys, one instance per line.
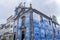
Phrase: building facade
x=30 y=24
x=6 y=30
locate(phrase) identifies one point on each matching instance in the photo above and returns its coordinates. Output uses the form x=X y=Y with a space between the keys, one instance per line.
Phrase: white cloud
x=58 y=19
x=57 y=1
x=7 y=8
x=48 y=7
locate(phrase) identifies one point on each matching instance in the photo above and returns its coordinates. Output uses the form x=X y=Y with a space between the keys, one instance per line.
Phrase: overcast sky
x=48 y=7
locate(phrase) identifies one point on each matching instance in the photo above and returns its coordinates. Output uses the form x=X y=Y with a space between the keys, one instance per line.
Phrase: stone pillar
x=31 y=23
